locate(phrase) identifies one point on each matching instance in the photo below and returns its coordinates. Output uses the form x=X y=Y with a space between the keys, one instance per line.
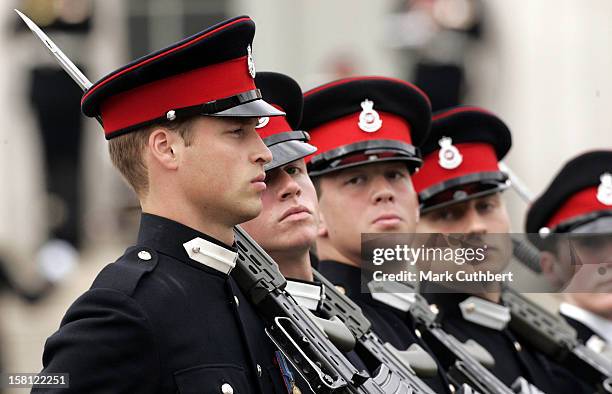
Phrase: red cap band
x=477 y=157
x=345 y=130
x=195 y=87
x=275 y=125
x=581 y=203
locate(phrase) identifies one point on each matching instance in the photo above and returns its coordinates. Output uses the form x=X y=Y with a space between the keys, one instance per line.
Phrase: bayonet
x=61 y=58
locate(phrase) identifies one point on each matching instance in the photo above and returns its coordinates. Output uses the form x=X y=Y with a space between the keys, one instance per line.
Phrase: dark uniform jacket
x=390 y=324
x=156 y=321
x=512 y=357
x=584 y=332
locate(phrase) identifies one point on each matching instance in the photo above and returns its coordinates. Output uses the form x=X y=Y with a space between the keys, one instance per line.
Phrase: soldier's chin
x=387 y=228
x=249 y=210
x=495 y=263
x=299 y=238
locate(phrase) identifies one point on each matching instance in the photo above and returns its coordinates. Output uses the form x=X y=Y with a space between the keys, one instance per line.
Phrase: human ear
x=548 y=262
x=322 y=230
x=161 y=145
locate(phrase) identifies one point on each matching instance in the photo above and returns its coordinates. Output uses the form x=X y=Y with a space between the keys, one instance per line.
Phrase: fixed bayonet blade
x=63 y=60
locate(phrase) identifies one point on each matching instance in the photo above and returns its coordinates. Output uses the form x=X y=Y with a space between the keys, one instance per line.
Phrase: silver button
x=226 y=388
x=259 y=370
x=144 y=255
x=195 y=249
x=418 y=333
x=544 y=232
x=236 y=301
x=171 y=115
x=517 y=346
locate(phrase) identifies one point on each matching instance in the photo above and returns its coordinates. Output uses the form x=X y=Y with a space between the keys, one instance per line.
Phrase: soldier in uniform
x=167 y=317
x=460 y=186
x=571 y=224
x=366 y=130
x=287 y=226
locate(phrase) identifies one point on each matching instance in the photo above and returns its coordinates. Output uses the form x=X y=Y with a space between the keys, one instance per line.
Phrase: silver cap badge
x=250 y=62
x=449 y=156
x=262 y=122
x=604 y=190
x=369 y=120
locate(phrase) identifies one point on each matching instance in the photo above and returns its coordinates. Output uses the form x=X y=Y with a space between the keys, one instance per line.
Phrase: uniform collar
x=350 y=280
x=468 y=307
x=446 y=303
x=601 y=326
x=306 y=294
x=347 y=278
x=393 y=294
x=181 y=242
x=211 y=255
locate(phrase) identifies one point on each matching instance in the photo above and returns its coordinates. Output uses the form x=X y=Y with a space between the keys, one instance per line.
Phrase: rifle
x=297 y=336
x=465 y=363
x=554 y=337
x=407 y=364
x=460 y=360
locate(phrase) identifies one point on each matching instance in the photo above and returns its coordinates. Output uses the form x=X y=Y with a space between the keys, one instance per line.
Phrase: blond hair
x=126 y=151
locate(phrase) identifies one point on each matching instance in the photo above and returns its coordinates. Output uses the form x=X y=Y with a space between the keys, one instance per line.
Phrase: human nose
x=383 y=192
x=288 y=186
x=261 y=154
x=474 y=222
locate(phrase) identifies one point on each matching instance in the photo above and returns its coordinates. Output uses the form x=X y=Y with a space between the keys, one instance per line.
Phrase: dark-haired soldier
x=287 y=226
x=460 y=186
x=571 y=224
x=167 y=317
x=366 y=130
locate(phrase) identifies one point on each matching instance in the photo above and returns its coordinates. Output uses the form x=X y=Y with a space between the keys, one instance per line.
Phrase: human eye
x=593 y=243
x=448 y=214
x=239 y=131
x=235 y=130
x=355 y=180
x=486 y=206
x=293 y=170
x=395 y=175
x=445 y=214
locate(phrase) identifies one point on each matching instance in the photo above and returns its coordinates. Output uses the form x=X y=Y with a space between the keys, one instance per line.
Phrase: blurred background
x=542 y=65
